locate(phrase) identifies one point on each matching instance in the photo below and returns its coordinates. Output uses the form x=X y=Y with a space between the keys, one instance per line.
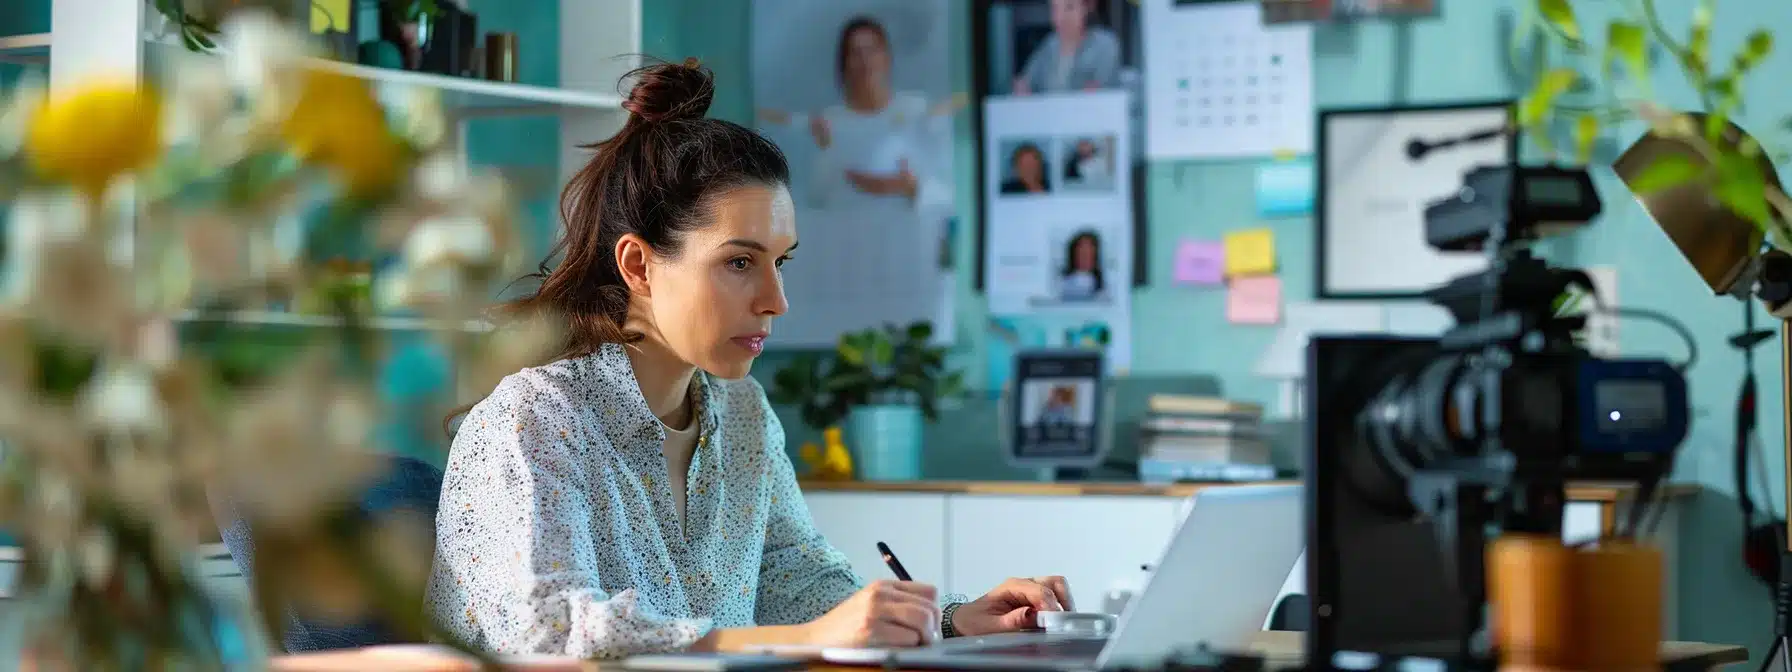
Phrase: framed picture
x=1055 y=409
x=1321 y=11
x=1377 y=170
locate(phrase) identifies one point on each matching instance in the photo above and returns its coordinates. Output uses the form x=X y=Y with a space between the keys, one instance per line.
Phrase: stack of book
x=1195 y=438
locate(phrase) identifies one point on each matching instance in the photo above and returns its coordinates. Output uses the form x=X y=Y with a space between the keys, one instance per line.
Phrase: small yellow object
x=338 y=123
x=829 y=463
x=95 y=134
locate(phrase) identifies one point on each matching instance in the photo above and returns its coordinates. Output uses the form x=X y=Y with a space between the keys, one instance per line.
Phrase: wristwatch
x=946 y=628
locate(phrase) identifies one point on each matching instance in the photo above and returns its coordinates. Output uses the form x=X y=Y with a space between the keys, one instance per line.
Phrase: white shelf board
x=29 y=49
x=286 y=319
x=466 y=97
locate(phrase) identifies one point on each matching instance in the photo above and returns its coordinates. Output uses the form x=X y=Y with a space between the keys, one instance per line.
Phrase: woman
x=1074 y=57
x=880 y=144
x=1027 y=163
x=1081 y=279
x=1088 y=166
x=634 y=495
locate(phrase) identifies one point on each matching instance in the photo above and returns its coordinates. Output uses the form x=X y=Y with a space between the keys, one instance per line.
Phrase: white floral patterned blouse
x=557 y=531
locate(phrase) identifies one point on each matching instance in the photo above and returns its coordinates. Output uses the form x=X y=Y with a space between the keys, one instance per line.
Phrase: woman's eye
x=740 y=263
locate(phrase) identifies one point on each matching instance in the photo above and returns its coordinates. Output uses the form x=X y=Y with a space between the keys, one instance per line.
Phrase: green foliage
x=1731 y=167
x=875 y=366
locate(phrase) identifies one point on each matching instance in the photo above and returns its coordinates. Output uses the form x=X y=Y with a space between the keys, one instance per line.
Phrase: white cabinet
x=1091 y=541
x=967 y=542
x=913 y=524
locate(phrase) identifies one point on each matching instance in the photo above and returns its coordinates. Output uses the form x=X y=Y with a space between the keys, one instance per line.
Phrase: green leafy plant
x=1734 y=167
x=891 y=365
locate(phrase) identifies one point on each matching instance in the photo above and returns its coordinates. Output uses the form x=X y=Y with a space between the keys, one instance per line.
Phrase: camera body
x=1421 y=449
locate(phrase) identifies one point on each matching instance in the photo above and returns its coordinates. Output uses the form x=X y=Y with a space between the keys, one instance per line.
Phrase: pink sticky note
x=1200 y=262
x=1254 y=300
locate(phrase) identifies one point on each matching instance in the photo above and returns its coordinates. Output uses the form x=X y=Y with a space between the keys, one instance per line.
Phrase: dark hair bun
x=671 y=91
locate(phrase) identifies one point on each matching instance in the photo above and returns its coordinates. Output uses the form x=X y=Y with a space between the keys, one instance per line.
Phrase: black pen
x=890 y=559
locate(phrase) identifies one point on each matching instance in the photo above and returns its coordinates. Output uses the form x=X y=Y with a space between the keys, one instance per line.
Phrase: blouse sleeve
x=801 y=576
x=515 y=567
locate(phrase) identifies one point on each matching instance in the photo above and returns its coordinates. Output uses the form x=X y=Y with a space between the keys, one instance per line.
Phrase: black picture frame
x=1321 y=227
x=1085 y=367
x=980 y=87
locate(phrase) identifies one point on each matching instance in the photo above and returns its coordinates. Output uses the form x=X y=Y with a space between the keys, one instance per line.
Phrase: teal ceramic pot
x=885 y=441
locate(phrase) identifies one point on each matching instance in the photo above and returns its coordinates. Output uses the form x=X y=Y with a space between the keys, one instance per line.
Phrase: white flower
x=15 y=117
x=453 y=238
x=257 y=48
x=200 y=99
x=39 y=219
x=124 y=400
x=420 y=117
x=441 y=177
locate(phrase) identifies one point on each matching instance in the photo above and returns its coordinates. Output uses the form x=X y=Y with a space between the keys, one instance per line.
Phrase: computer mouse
x=1076 y=622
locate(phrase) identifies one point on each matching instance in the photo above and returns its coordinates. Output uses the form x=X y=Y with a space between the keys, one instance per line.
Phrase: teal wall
x=1456 y=56
x=1459 y=55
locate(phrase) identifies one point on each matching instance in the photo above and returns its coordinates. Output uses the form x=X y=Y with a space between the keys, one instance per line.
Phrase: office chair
x=408 y=483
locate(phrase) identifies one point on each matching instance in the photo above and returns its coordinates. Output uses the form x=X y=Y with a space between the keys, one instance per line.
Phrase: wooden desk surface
x=1578 y=492
x=1280 y=648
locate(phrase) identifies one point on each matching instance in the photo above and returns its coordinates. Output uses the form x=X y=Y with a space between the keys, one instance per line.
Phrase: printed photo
x=1026 y=169
x=1061 y=46
x=1088 y=163
x=1058 y=402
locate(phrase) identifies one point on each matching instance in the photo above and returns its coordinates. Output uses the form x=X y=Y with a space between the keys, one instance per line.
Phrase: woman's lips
x=754 y=344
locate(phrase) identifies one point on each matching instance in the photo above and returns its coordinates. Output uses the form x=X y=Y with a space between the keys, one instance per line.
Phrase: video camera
x=1422 y=448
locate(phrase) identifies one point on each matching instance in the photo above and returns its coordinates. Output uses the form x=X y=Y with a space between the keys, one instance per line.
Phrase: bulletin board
x=1003 y=35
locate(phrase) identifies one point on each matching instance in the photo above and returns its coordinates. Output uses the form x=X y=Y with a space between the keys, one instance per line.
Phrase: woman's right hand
x=883 y=614
x=818 y=127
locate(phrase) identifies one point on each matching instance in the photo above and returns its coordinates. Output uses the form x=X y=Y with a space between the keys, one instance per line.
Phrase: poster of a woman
x=877 y=140
x=858 y=93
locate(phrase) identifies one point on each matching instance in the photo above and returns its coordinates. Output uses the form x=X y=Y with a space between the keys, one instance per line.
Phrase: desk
x=1281 y=648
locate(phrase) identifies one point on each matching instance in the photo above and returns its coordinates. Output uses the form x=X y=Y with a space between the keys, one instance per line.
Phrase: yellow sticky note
x=1250 y=252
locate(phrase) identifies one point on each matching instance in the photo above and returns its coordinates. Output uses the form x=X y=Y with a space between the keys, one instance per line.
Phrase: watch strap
x=946 y=628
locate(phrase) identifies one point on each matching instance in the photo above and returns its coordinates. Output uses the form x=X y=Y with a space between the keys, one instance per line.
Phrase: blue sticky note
x=1285 y=188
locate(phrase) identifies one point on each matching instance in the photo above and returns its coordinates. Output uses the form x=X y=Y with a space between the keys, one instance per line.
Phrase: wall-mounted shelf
x=285 y=319
x=464 y=97
x=29 y=49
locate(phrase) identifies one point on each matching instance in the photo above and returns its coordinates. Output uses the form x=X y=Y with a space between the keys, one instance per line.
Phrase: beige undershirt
x=680 y=445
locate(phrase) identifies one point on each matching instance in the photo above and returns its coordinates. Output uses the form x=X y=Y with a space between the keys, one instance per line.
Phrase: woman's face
x=1083 y=254
x=867 y=58
x=714 y=303
x=1029 y=167
x=1085 y=149
x=1069 y=17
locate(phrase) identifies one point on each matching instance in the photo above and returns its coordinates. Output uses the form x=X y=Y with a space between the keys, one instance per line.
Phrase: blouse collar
x=635 y=420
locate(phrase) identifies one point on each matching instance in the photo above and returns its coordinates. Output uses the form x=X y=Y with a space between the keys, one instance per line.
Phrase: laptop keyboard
x=1061 y=648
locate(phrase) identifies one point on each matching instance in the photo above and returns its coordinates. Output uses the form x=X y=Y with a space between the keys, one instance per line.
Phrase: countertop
x=1591 y=491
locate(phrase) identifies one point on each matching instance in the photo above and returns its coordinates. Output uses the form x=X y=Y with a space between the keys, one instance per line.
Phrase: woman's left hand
x=902 y=183
x=1013 y=606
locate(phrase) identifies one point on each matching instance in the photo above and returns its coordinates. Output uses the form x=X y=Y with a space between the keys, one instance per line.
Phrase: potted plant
x=882 y=384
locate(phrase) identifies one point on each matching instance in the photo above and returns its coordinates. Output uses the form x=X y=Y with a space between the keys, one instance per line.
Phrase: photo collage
x=1059 y=90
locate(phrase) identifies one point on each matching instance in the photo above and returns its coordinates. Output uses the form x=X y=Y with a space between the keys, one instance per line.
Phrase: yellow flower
x=339 y=124
x=96 y=133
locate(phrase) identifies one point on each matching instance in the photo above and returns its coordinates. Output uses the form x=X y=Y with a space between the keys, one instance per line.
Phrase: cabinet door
x=913 y=524
x=1094 y=542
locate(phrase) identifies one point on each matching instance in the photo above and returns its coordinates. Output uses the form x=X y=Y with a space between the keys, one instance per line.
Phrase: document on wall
x=1059 y=238
x=1220 y=84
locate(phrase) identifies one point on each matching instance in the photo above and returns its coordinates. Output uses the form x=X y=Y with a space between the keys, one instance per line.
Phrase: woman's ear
x=632 y=257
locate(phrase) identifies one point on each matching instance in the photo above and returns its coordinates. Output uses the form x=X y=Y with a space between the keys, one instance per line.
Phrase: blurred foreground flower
x=120 y=444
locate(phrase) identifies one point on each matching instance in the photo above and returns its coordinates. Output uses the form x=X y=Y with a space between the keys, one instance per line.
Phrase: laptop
x=1214 y=585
